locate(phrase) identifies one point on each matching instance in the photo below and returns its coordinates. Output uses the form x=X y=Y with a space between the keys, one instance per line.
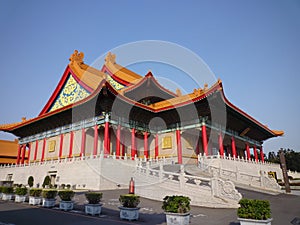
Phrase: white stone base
x=177 y=218
x=66 y=205
x=254 y=222
x=48 y=203
x=93 y=209
x=20 y=198
x=129 y=213
x=34 y=200
x=7 y=197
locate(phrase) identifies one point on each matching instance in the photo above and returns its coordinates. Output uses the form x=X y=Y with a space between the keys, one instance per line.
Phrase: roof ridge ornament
x=110 y=58
x=77 y=57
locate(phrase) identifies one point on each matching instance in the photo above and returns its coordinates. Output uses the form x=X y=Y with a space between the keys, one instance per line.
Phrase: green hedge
x=35 y=192
x=129 y=200
x=66 y=195
x=93 y=197
x=254 y=209
x=176 y=204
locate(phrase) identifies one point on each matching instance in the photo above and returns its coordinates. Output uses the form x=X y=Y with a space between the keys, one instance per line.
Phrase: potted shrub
x=21 y=193
x=253 y=211
x=94 y=206
x=7 y=193
x=35 y=196
x=49 y=197
x=128 y=208
x=177 y=209
x=66 y=202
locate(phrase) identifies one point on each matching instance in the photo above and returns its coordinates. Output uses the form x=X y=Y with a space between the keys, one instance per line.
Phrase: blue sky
x=253 y=46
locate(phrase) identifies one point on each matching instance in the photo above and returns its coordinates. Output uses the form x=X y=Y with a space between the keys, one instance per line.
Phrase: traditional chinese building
x=114 y=111
x=8 y=152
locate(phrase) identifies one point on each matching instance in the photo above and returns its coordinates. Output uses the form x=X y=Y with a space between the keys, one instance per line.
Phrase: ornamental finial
x=77 y=57
x=110 y=57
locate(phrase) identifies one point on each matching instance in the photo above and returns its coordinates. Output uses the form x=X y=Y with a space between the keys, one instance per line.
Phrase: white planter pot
x=129 y=213
x=177 y=218
x=34 y=200
x=254 y=222
x=66 y=205
x=7 y=197
x=93 y=209
x=20 y=198
x=48 y=202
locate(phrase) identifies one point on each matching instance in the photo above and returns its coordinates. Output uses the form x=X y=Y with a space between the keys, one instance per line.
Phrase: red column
x=82 y=149
x=262 y=158
x=106 y=139
x=43 y=150
x=118 y=145
x=95 y=139
x=255 y=154
x=204 y=139
x=179 y=147
x=123 y=145
x=36 y=149
x=61 y=146
x=156 y=146
x=19 y=154
x=23 y=153
x=133 y=149
x=248 y=151
x=28 y=154
x=71 y=144
x=221 y=148
x=146 y=145
x=233 y=147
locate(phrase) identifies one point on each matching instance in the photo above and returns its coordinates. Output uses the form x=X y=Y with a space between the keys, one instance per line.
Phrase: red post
x=28 y=154
x=131 y=186
x=248 y=152
x=61 y=146
x=106 y=139
x=43 y=150
x=82 y=150
x=19 y=154
x=233 y=147
x=71 y=144
x=179 y=147
x=95 y=139
x=204 y=139
x=255 y=153
x=36 y=149
x=221 y=145
x=118 y=145
x=262 y=158
x=146 y=145
x=133 y=148
x=156 y=146
x=23 y=153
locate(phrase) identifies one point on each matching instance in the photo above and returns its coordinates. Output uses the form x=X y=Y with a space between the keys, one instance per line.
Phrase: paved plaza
x=285 y=207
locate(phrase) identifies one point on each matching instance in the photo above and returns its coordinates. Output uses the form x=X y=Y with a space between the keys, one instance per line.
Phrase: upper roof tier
x=81 y=84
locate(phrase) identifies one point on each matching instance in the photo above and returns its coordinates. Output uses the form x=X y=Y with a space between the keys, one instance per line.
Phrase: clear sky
x=253 y=46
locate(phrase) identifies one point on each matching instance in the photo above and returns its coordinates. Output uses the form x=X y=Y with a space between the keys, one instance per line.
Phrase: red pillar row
x=255 y=154
x=204 y=139
x=179 y=146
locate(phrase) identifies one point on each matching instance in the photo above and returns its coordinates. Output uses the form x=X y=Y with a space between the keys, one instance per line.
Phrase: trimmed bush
x=49 y=193
x=254 y=209
x=21 y=191
x=30 y=181
x=129 y=200
x=93 y=197
x=7 y=190
x=66 y=195
x=47 y=181
x=35 y=192
x=176 y=204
